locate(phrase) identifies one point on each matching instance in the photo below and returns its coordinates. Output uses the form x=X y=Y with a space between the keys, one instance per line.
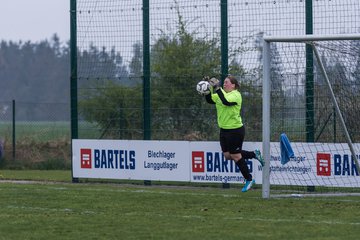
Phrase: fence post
x=13 y=129
x=73 y=78
x=146 y=70
x=224 y=40
x=309 y=86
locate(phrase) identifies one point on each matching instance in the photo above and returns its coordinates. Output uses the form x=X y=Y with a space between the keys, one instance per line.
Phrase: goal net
x=311 y=111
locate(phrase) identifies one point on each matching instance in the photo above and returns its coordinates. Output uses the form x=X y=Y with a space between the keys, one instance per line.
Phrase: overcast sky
x=34 y=20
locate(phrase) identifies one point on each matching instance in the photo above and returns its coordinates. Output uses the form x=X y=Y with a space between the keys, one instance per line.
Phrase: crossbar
x=303 y=38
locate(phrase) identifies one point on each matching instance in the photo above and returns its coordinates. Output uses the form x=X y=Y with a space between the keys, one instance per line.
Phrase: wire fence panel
x=35 y=135
x=185 y=44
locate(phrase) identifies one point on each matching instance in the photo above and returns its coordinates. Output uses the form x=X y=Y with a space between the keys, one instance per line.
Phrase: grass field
x=53 y=208
x=43 y=131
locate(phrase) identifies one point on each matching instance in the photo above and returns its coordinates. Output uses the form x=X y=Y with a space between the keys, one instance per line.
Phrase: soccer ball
x=203 y=87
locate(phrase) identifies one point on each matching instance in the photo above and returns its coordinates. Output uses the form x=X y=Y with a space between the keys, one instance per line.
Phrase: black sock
x=247 y=154
x=244 y=169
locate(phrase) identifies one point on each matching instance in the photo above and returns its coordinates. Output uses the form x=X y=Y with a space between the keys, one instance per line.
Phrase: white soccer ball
x=203 y=87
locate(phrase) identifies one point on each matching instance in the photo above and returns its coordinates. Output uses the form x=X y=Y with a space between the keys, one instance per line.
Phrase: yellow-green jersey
x=228 y=107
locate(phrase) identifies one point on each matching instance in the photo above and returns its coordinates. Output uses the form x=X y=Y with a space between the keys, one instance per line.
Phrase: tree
x=135 y=65
x=105 y=98
x=114 y=108
x=35 y=74
x=178 y=61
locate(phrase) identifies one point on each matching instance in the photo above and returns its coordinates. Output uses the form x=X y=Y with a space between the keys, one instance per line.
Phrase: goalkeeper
x=228 y=102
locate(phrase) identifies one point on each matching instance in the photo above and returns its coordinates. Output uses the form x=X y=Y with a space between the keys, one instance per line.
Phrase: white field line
x=155 y=191
x=197 y=191
x=288 y=220
x=267 y=220
x=278 y=220
x=42 y=209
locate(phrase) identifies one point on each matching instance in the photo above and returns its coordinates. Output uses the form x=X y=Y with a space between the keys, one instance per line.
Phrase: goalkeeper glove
x=206 y=78
x=215 y=83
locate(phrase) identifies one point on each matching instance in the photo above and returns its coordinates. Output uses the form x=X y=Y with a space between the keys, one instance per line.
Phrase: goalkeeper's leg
x=255 y=154
x=246 y=173
x=244 y=169
x=241 y=163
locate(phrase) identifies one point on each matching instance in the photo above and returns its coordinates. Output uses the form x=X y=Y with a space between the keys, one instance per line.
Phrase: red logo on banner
x=198 y=162
x=323 y=164
x=85 y=158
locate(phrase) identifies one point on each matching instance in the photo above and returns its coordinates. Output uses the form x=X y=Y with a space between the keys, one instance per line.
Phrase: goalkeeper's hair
x=233 y=80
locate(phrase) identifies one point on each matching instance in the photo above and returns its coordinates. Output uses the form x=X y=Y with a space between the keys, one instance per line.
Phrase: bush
x=51 y=155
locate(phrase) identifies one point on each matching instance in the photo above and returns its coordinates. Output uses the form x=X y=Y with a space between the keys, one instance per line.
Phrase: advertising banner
x=315 y=164
x=131 y=159
x=209 y=165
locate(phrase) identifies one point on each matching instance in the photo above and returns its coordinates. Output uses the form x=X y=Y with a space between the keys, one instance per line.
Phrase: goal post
x=329 y=163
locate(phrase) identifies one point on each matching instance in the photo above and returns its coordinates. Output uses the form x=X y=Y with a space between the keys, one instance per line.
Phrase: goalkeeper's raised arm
x=216 y=89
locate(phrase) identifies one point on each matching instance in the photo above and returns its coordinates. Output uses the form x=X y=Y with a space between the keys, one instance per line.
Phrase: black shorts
x=231 y=140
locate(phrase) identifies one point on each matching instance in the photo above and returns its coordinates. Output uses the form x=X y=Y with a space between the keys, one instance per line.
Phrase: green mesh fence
x=185 y=44
x=34 y=135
